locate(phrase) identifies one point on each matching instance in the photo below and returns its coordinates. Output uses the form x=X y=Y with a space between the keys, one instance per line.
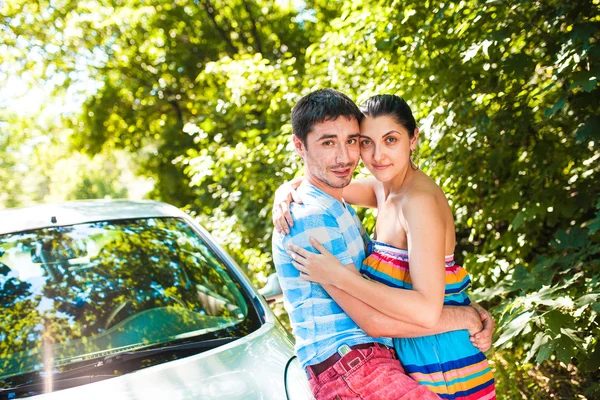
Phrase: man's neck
x=319 y=184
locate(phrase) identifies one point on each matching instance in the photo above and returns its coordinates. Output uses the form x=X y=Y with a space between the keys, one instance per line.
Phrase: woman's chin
x=382 y=176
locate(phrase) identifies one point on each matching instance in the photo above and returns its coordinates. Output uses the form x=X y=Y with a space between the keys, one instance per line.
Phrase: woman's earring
x=413 y=164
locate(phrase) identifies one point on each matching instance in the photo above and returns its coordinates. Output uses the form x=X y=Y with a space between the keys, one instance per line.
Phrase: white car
x=132 y=300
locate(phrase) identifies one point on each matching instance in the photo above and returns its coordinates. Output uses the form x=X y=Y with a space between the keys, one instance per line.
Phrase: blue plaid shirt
x=319 y=325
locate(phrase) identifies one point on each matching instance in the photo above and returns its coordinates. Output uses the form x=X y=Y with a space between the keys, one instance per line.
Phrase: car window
x=81 y=292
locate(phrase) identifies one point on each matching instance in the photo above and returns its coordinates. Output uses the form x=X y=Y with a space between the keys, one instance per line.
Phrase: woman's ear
x=414 y=139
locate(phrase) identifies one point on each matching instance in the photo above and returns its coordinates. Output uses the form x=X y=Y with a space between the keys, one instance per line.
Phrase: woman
x=414 y=223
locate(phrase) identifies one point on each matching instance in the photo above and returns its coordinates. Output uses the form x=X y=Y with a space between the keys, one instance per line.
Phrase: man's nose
x=343 y=156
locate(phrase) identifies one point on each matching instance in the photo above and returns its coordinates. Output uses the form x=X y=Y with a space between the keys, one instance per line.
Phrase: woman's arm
x=474 y=319
x=377 y=324
x=360 y=192
x=426 y=238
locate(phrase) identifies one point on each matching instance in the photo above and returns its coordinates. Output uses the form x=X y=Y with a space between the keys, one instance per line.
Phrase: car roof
x=81 y=211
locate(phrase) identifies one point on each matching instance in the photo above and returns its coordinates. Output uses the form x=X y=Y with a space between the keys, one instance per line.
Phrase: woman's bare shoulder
x=422 y=187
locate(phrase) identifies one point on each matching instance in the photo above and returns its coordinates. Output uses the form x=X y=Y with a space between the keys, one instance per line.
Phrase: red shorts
x=367 y=374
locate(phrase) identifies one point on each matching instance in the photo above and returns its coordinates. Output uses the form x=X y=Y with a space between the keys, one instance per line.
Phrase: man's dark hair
x=320 y=106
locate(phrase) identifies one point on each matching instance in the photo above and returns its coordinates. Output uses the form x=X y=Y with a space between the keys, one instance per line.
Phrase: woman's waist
x=456 y=280
x=439 y=338
x=389 y=250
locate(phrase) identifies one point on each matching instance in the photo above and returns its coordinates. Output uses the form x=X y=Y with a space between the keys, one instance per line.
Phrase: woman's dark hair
x=320 y=106
x=393 y=106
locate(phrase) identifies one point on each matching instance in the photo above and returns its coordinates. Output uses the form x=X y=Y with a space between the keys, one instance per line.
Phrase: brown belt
x=335 y=357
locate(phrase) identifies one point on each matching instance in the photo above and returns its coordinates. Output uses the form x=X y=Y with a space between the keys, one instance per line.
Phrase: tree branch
x=210 y=10
x=178 y=111
x=253 y=28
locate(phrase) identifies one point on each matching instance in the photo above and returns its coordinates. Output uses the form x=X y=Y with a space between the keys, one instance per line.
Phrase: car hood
x=249 y=368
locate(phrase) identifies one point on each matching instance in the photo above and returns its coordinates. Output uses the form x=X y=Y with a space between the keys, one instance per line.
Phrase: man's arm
x=377 y=324
x=473 y=318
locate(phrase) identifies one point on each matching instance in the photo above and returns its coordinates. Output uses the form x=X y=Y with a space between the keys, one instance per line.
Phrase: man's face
x=331 y=153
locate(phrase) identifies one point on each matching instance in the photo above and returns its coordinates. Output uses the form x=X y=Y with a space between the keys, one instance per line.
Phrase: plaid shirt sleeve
x=325 y=229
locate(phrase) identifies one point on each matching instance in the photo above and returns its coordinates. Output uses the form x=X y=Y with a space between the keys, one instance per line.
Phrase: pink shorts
x=367 y=374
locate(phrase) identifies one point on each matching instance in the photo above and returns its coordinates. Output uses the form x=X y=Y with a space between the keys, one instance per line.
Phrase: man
x=341 y=359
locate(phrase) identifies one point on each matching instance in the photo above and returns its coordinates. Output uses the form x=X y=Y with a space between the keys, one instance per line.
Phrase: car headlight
x=296 y=381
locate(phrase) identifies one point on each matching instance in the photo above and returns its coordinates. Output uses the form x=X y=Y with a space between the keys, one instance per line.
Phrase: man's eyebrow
x=327 y=136
x=333 y=136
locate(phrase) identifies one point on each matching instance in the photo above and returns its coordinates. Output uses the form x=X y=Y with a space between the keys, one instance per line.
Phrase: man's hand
x=471 y=318
x=483 y=339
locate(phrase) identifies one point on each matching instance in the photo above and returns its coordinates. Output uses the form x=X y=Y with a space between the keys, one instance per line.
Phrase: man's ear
x=298 y=145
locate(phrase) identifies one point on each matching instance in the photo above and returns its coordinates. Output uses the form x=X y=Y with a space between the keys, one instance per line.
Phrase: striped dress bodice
x=447 y=363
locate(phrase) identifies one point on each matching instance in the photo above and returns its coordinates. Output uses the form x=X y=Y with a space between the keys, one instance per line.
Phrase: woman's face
x=385 y=147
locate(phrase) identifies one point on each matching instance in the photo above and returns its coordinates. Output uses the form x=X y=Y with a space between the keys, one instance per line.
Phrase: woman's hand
x=323 y=268
x=284 y=196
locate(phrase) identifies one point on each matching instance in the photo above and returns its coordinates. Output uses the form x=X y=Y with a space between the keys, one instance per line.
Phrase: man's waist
x=345 y=355
x=312 y=352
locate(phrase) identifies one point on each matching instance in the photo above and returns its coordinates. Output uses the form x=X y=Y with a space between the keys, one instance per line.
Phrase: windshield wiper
x=129 y=355
x=73 y=377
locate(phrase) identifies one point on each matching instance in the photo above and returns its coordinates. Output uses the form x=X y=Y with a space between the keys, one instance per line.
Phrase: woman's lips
x=380 y=167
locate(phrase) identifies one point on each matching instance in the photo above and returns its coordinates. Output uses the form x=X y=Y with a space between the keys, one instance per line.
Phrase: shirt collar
x=311 y=195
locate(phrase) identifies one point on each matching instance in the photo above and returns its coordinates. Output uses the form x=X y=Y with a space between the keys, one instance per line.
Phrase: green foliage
x=507 y=97
x=509 y=111
x=240 y=149
x=36 y=166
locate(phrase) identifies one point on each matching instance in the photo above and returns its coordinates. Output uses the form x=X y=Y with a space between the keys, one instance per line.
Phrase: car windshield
x=77 y=293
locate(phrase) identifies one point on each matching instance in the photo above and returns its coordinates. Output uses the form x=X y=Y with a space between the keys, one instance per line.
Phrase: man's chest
x=354 y=236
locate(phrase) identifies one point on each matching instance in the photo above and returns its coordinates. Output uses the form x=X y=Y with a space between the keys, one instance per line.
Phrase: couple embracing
x=380 y=318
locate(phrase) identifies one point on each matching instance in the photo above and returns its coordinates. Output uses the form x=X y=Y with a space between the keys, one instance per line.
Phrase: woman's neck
x=398 y=183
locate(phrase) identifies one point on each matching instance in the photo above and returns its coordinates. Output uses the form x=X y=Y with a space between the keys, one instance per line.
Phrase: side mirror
x=272 y=290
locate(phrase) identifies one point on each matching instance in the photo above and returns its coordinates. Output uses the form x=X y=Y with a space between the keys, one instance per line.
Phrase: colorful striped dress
x=447 y=363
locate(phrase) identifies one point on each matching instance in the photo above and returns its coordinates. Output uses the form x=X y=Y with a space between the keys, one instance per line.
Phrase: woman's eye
x=365 y=143
x=391 y=140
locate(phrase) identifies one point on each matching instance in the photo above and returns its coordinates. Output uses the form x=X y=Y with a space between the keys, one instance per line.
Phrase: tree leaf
x=590 y=130
x=575 y=238
x=571 y=334
x=523 y=279
x=593 y=363
x=545 y=351
x=587 y=299
x=584 y=79
x=565 y=349
x=559 y=105
x=514 y=327
x=518 y=220
x=541 y=338
x=4 y=269
x=556 y=320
